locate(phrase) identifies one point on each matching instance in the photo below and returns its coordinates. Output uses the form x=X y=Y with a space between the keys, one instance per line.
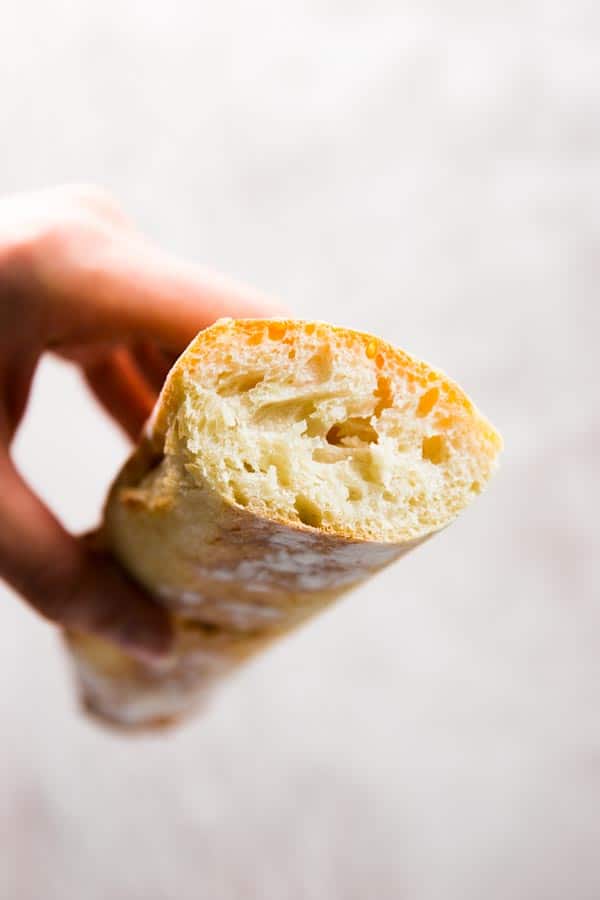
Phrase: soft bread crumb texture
x=325 y=428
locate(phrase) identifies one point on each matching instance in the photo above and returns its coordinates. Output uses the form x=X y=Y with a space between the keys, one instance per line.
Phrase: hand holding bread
x=79 y=280
x=283 y=463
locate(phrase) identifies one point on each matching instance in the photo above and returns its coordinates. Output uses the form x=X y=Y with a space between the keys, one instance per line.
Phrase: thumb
x=69 y=581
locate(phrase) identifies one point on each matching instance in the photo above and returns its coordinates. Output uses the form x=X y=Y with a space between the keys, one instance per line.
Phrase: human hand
x=77 y=279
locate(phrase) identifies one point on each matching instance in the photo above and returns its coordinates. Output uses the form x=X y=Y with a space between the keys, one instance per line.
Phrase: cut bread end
x=322 y=427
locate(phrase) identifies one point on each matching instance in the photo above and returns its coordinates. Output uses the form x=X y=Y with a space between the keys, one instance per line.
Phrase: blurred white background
x=428 y=171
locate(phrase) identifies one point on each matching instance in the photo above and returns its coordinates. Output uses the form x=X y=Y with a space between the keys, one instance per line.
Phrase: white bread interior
x=332 y=429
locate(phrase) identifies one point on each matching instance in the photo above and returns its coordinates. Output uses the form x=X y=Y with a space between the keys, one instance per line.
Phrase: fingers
x=67 y=581
x=118 y=384
x=15 y=383
x=95 y=277
x=105 y=602
x=129 y=290
x=153 y=362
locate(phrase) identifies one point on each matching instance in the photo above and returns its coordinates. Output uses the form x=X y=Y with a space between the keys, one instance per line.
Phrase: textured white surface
x=428 y=171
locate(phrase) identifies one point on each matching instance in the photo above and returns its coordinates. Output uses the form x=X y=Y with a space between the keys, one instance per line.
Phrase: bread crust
x=233 y=578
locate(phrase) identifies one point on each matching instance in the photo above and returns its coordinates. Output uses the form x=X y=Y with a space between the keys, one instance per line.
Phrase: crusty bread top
x=324 y=428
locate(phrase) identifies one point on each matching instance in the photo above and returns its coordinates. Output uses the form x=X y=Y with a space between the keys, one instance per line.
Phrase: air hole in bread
x=308 y=512
x=276 y=330
x=384 y=395
x=284 y=412
x=229 y=385
x=239 y=496
x=282 y=467
x=320 y=365
x=353 y=432
x=427 y=402
x=435 y=449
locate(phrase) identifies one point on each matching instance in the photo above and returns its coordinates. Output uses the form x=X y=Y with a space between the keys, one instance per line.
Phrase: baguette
x=284 y=463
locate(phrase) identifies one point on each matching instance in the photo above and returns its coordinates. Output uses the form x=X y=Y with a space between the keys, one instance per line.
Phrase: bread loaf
x=284 y=463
